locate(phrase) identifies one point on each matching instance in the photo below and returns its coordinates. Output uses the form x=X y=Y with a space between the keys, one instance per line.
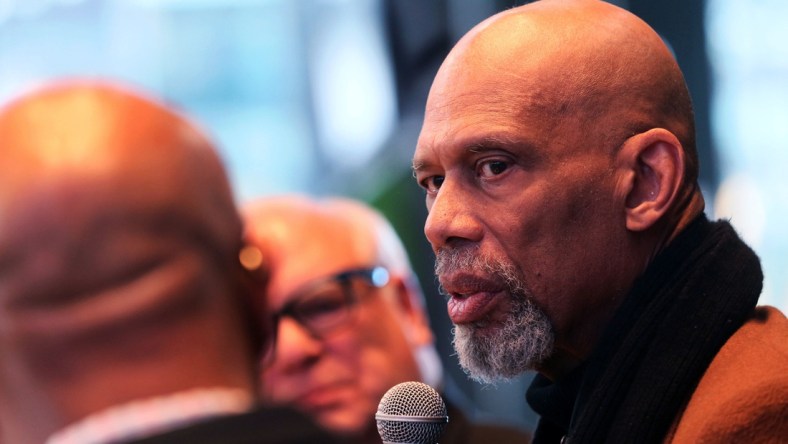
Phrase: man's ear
x=655 y=163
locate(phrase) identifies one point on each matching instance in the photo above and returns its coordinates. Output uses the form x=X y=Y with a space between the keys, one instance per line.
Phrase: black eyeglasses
x=325 y=304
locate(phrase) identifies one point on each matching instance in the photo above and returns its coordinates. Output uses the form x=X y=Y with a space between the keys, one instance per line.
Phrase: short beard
x=520 y=344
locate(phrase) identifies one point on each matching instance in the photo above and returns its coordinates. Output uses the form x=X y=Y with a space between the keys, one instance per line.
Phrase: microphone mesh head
x=422 y=411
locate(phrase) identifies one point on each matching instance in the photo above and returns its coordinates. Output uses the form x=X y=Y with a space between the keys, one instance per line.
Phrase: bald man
x=559 y=164
x=125 y=315
x=351 y=318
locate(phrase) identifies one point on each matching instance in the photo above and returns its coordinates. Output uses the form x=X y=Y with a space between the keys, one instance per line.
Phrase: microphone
x=413 y=413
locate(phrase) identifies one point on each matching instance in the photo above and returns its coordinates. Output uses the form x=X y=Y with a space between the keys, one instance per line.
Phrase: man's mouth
x=471 y=308
x=471 y=299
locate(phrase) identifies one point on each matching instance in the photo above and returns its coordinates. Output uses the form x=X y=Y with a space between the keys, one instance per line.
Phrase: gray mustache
x=471 y=259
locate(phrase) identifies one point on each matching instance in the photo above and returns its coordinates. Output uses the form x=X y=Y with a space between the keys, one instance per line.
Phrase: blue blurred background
x=326 y=97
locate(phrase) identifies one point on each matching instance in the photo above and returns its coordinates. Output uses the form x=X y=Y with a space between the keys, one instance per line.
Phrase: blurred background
x=326 y=97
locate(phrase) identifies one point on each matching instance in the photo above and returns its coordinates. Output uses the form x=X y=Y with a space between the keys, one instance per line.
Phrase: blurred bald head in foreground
x=119 y=270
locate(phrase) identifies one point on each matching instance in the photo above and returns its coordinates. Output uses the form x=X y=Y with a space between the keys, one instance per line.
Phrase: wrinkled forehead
x=479 y=105
x=544 y=73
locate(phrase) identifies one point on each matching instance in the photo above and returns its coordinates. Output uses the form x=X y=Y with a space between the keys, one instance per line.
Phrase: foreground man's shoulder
x=743 y=395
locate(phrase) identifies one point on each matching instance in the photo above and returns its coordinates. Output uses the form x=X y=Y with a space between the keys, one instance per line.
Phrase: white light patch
x=740 y=199
x=352 y=83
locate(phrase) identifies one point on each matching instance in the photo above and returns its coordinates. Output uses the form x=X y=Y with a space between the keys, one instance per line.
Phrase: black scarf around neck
x=679 y=313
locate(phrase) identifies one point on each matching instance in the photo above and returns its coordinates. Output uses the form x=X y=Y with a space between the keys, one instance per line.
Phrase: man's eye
x=432 y=184
x=321 y=306
x=492 y=168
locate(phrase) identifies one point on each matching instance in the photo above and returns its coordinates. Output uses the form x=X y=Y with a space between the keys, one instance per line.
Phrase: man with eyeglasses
x=350 y=316
x=125 y=313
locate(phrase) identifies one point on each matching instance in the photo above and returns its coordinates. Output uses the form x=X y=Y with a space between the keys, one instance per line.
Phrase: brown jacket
x=743 y=396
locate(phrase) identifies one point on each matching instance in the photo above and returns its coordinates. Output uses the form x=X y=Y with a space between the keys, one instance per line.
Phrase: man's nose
x=295 y=345
x=452 y=217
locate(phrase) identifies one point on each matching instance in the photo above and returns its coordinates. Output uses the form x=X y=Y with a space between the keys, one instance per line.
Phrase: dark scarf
x=679 y=313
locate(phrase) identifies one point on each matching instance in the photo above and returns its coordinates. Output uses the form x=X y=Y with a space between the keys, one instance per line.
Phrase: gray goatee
x=522 y=342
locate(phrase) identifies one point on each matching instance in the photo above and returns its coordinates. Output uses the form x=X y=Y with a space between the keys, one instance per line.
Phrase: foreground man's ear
x=655 y=161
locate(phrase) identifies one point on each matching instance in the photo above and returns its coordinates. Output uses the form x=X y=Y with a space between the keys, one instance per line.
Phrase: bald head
x=592 y=66
x=82 y=131
x=118 y=253
x=287 y=227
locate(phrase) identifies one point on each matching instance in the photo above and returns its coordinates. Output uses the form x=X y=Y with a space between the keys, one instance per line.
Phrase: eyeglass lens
x=328 y=303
